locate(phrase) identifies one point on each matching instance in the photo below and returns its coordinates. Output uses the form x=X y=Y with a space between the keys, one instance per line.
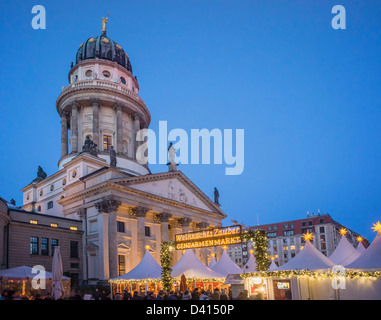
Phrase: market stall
x=27 y=281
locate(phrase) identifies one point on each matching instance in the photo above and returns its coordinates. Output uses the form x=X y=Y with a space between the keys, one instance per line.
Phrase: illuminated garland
x=312 y=274
x=165 y=260
x=134 y=281
x=259 y=237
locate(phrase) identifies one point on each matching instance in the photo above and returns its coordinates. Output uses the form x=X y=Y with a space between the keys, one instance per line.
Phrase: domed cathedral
x=123 y=207
x=102 y=104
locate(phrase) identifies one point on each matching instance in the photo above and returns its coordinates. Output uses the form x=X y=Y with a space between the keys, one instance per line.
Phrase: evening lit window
x=34 y=245
x=33 y=221
x=74 y=228
x=121 y=265
x=106 y=143
x=53 y=244
x=54 y=225
x=44 y=246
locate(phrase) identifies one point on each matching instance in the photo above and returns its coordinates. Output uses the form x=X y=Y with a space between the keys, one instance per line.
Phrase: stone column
x=204 y=251
x=185 y=223
x=176 y=229
x=64 y=135
x=136 y=128
x=82 y=214
x=119 y=128
x=110 y=207
x=140 y=214
x=95 y=105
x=74 y=127
x=164 y=218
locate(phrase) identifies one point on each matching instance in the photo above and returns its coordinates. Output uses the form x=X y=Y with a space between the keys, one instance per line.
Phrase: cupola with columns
x=102 y=103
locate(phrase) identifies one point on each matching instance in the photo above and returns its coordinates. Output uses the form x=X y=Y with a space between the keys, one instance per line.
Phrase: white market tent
x=226 y=266
x=212 y=263
x=147 y=268
x=273 y=266
x=193 y=268
x=25 y=273
x=370 y=259
x=251 y=265
x=360 y=248
x=344 y=253
x=309 y=258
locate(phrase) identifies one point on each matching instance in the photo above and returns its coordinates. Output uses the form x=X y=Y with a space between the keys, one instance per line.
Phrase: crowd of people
x=196 y=294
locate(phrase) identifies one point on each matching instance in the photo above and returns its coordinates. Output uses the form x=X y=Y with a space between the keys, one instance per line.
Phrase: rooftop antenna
x=257 y=219
x=308 y=213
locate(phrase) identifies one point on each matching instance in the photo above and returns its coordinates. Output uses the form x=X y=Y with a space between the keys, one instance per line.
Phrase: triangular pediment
x=173 y=186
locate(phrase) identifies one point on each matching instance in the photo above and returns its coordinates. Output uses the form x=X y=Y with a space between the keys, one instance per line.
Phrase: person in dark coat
x=223 y=295
x=136 y=296
x=161 y=295
x=195 y=294
x=126 y=295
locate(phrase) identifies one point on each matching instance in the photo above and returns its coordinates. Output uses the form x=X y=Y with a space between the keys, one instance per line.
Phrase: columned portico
x=74 y=127
x=119 y=128
x=164 y=219
x=64 y=134
x=107 y=208
x=140 y=213
x=204 y=251
x=95 y=106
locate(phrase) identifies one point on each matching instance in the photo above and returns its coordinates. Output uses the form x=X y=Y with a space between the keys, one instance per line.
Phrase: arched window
x=50 y=204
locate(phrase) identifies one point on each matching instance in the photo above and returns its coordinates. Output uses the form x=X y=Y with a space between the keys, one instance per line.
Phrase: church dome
x=103 y=47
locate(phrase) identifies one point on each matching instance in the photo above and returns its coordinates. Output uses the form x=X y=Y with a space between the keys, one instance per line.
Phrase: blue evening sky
x=307 y=96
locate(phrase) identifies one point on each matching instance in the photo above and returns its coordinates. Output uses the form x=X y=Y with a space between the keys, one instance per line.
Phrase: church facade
x=124 y=209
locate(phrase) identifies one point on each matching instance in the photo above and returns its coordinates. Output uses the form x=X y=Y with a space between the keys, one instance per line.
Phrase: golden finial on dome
x=104 y=24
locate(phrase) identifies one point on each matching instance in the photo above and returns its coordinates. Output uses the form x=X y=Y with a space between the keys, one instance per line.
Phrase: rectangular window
x=323 y=246
x=53 y=244
x=44 y=246
x=292 y=247
x=34 y=245
x=274 y=227
x=50 y=204
x=121 y=264
x=322 y=238
x=271 y=235
x=74 y=249
x=322 y=230
x=285 y=248
x=106 y=143
x=147 y=231
x=120 y=226
x=288 y=233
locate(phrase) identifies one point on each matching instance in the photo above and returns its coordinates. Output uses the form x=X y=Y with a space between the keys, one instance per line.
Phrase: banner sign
x=208 y=238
